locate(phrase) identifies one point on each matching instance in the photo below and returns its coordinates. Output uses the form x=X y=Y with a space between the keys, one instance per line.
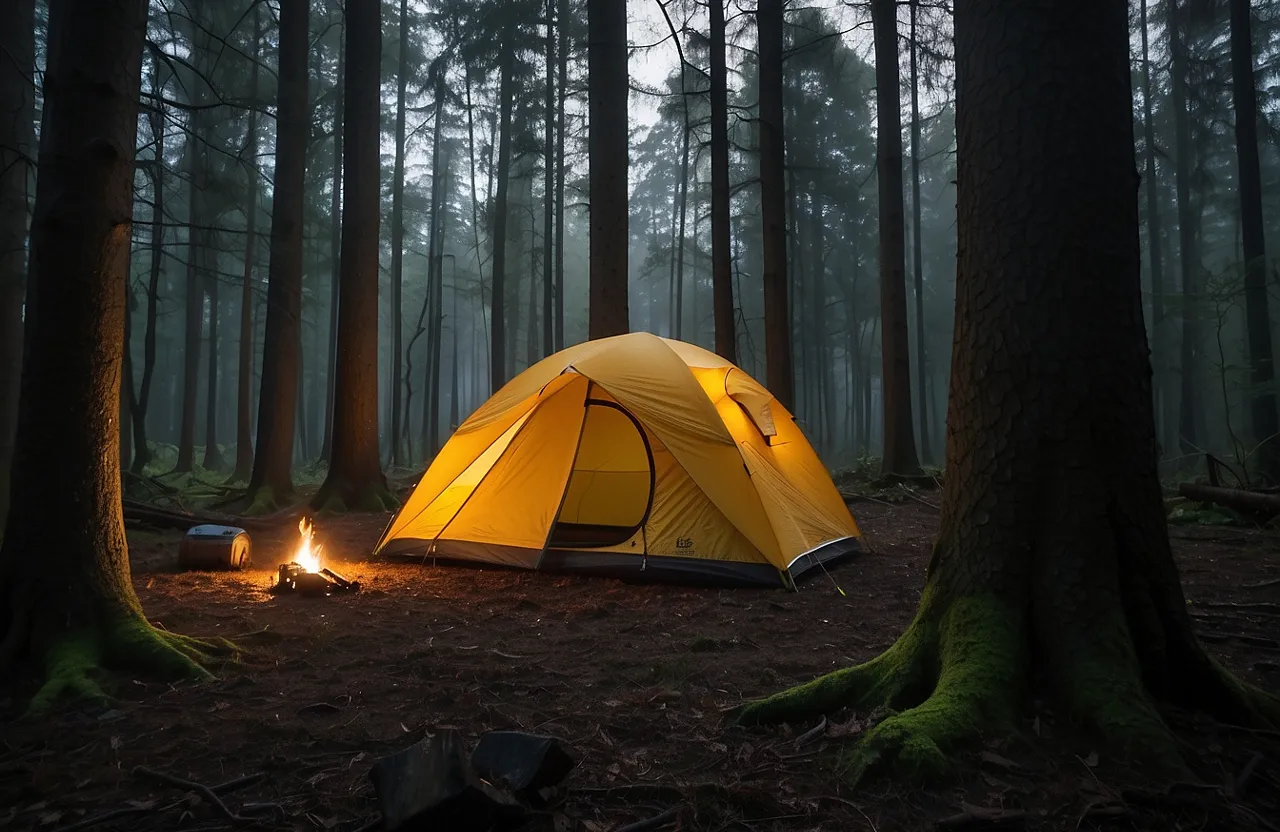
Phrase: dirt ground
x=633 y=679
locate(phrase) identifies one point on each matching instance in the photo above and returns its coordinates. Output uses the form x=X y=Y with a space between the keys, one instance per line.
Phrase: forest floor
x=633 y=679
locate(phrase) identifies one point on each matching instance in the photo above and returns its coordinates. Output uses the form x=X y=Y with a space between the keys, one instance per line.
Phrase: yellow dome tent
x=632 y=456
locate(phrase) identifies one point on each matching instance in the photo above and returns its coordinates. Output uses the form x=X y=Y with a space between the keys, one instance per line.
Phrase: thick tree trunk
x=335 y=243
x=917 y=251
x=721 y=262
x=244 y=371
x=1052 y=570
x=1188 y=251
x=548 y=188
x=497 y=317
x=895 y=352
x=272 y=482
x=1262 y=404
x=17 y=149
x=355 y=479
x=67 y=604
x=1159 y=356
x=397 y=234
x=193 y=300
x=607 y=93
x=773 y=210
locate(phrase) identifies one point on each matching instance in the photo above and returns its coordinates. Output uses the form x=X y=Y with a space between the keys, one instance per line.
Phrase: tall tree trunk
x=475 y=201
x=68 y=606
x=244 y=372
x=773 y=205
x=548 y=190
x=1262 y=403
x=142 y=451
x=607 y=93
x=397 y=234
x=17 y=148
x=272 y=482
x=1052 y=571
x=355 y=479
x=497 y=318
x=721 y=262
x=899 y=455
x=1159 y=356
x=1188 y=252
x=562 y=87
x=435 y=273
x=193 y=302
x=917 y=252
x=212 y=454
x=335 y=242
x=680 y=244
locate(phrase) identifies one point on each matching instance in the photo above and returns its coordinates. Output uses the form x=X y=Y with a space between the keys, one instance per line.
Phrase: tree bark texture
x=68 y=605
x=272 y=481
x=1052 y=566
x=1262 y=402
x=355 y=479
x=17 y=155
x=435 y=277
x=773 y=205
x=607 y=93
x=721 y=261
x=899 y=428
x=562 y=86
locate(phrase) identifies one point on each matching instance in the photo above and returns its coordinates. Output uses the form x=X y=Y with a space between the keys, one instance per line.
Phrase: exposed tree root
x=965 y=677
x=73 y=663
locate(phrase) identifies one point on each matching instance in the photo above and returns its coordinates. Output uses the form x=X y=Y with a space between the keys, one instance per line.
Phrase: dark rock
x=521 y=763
x=430 y=786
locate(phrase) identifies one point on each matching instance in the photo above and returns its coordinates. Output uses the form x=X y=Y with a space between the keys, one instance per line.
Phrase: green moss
x=69 y=667
x=982 y=656
x=132 y=645
x=373 y=498
x=896 y=676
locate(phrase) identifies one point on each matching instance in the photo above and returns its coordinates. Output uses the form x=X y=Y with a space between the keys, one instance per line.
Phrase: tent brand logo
x=684 y=545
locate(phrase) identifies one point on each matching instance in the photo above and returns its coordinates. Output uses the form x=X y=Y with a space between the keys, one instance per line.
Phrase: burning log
x=304 y=574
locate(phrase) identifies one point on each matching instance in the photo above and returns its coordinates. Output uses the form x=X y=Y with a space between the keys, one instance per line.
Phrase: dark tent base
x=696 y=572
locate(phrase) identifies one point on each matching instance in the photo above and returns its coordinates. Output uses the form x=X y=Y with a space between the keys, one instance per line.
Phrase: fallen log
x=166 y=519
x=1252 y=501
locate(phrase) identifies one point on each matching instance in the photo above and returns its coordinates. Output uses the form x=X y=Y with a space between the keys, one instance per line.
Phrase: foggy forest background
x=466 y=85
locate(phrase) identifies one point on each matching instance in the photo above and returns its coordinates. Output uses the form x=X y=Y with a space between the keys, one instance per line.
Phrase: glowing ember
x=308 y=554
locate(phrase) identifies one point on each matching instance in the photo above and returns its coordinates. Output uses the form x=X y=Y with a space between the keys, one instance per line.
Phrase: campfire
x=304 y=574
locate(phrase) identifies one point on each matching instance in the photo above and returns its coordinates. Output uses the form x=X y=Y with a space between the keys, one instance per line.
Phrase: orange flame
x=308 y=555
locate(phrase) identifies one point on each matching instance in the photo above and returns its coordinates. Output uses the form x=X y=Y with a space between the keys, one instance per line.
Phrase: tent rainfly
x=632 y=456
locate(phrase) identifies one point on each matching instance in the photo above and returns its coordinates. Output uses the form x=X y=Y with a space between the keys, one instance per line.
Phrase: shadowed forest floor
x=635 y=679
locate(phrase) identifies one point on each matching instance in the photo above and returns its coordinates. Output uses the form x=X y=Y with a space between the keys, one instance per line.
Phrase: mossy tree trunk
x=271 y=484
x=355 y=478
x=1052 y=567
x=68 y=606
